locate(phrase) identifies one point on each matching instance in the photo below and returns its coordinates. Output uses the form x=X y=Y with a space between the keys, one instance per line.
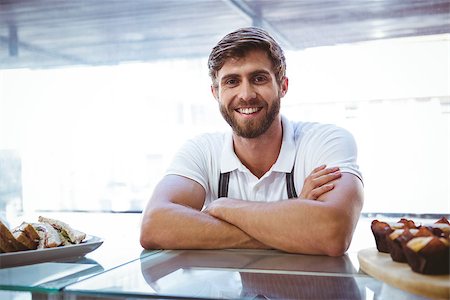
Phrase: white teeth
x=248 y=111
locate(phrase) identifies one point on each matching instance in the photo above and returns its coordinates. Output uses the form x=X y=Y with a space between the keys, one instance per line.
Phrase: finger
x=316 y=193
x=324 y=172
x=318 y=169
x=319 y=181
x=326 y=176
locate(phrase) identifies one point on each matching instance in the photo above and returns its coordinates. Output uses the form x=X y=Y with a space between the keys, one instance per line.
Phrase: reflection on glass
x=200 y=283
x=234 y=274
x=237 y=274
x=289 y=286
x=216 y=283
x=248 y=259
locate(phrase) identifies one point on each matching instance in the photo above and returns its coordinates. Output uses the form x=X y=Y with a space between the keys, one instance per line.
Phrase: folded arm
x=173 y=220
x=322 y=226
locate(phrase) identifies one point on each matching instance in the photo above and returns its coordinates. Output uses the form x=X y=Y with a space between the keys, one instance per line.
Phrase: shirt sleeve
x=189 y=162
x=335 y=146
x=199 y=159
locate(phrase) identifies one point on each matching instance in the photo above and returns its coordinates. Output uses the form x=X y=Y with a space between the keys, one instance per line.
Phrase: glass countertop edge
x=42 y=288
x=37 y=289
x=144 y=254
x=44 y=277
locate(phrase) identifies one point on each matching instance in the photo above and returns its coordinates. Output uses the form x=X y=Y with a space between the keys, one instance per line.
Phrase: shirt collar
x=286 y=158
x=285 y=162
x=229 y=161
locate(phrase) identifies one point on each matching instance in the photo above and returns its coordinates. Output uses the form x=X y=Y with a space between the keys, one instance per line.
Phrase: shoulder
x=314 y=131
x=329 y=144
x=204 y=147
x=199 y=158
x=207 y=141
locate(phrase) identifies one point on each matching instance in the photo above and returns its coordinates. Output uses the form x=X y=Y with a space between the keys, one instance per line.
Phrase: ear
x=214 y=91
x=284 y=86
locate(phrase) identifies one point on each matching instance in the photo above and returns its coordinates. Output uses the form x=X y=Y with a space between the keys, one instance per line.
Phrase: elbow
x=336 y=248
x=338 y=240
x=147 y=242
x=338 y=237
x=333 y=247
x=151 y=237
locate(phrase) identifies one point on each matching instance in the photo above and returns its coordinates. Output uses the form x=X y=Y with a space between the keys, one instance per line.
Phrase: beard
x=251 y=128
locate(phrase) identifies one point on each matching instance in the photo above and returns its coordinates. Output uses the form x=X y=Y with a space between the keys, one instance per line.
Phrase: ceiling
x=58 y=33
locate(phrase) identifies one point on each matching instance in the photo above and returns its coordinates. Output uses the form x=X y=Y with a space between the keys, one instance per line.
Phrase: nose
x=247 y=91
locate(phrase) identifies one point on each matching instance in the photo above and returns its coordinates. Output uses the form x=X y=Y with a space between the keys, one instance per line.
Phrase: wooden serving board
x=382 y=267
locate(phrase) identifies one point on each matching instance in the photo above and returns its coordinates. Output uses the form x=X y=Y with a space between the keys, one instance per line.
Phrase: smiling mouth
x=248 y=110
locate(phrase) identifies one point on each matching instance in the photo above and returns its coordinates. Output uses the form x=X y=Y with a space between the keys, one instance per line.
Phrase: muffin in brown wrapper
x=380 y=230
x=428 y=255
x=395 y=240
x=398 y=238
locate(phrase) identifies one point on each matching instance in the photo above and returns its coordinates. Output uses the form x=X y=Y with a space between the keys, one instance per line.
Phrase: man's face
x=248 y=94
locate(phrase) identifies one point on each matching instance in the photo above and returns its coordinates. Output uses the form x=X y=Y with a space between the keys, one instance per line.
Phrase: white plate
x=12 y=259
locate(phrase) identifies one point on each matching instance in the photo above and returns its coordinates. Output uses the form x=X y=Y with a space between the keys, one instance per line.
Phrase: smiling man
x=239 y=189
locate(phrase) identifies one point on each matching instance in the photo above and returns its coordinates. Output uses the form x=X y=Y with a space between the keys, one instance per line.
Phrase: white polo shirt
x=306 y=145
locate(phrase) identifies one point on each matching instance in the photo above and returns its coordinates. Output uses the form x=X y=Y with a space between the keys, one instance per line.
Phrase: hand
x=319 y=182
x=218 y=207
x=223 y=208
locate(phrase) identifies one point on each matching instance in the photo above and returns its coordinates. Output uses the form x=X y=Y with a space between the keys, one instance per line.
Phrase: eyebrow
x=234 y=75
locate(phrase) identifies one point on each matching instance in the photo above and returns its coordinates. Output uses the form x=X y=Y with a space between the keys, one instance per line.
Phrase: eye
x=231 y=82
x=260 y=79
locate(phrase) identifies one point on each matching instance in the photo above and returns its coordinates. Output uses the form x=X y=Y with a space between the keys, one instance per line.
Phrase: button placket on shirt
x=258 y=189
x=255 y=186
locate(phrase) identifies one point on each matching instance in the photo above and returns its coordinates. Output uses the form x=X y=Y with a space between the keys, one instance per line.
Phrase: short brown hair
x=238 y=43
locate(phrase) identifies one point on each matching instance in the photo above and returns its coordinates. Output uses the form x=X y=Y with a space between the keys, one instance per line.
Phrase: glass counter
x=121 y=269
x=237 y=274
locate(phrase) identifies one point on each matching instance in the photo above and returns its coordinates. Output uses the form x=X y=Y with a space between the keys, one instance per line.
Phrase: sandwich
x=47 y=233
x=68 y=234
x=26 y=235
x=49 y=236
x=8 y=242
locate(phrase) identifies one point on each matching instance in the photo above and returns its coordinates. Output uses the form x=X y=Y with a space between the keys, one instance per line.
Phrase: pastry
x=428 y=255
x=381 y=230
x=398 y=238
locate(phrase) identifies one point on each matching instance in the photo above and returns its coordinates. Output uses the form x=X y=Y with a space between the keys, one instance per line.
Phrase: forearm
x=174 y=226
x=299 y=226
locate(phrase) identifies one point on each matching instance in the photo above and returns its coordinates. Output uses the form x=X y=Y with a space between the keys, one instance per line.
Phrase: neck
x=259 y=154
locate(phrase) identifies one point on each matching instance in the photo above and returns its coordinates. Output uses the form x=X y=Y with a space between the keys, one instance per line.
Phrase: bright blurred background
x=98 y=138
